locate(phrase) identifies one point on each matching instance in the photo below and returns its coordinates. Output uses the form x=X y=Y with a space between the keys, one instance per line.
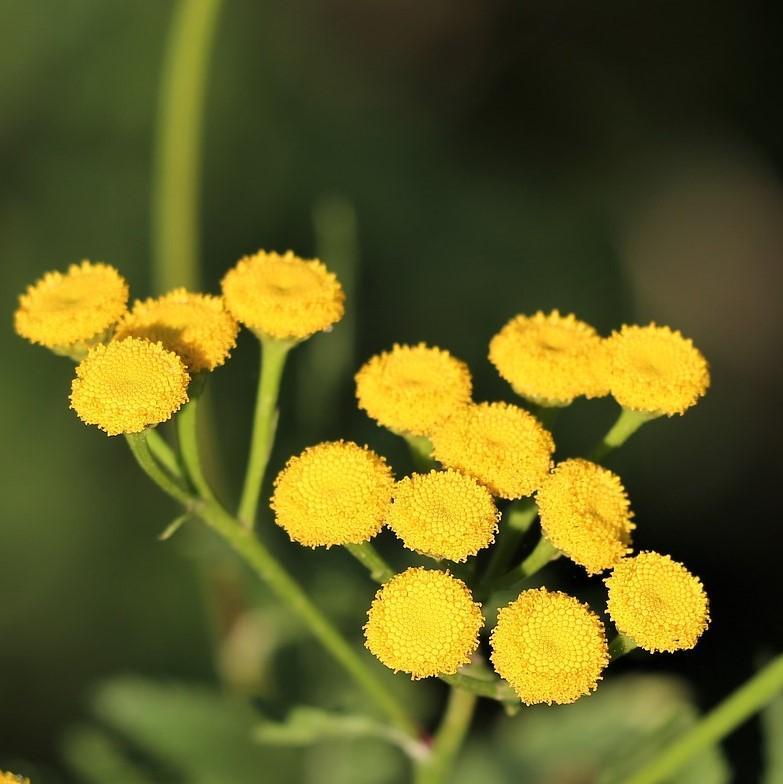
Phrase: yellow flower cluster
x=12 y=778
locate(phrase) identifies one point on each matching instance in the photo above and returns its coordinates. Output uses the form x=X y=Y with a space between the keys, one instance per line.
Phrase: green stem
x=162 y=452
x=627 y=423
x=492 y=688
x=421 y=452
x=140 y=448
x=542 y=554
x=367 y=555
x=187 y=433
x=621 y=645
x=519 y=516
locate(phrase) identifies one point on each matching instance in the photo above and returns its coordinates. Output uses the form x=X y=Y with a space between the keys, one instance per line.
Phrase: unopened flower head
x=424 y=623
x=129 y=385
x=585 y=513
x=501 y=445
x=549 y=647
x=655 y=369
x=331 y=494
x=282 y=296
x=12 y=778
x=197 y=327
x=443 y=514
x=657 y=602
x=412 y=389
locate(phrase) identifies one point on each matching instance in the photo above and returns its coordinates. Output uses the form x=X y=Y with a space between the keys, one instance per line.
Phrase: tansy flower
x=501 y=445
x=69 y=312
x=443 y=514
x=12 y=778
x=195 y=326
x=283 y=296
x=550 y=359
x=334 y=493
x=549 y=647
x=129 y=385
x=424 y=623
x=411 y=389
x=657 y=602
x=655 y=369
x=585 y=513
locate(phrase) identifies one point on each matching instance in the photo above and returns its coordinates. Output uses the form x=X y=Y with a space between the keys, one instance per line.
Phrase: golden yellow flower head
x=585 y=513
x=550 y=359
x=195 y=326
x=549 y=647
x=655 y=369
x=334 y=493
x=501 y=445
x=424 y=623
x=282 y=296
x=12 y=778
x=657 y=602
x=412 y=389
x=443 y=514
x=129 y=385
x=69 y=312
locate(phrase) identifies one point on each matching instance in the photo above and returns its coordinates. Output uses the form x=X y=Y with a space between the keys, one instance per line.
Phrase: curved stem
x=492 y=687
x=187 y=433
x=542 y=554
x=140 y=448
x=367 y=555
x=421 y=452
x=162 y=452
x=627 y=423
x=519 y=516
x=621 y=645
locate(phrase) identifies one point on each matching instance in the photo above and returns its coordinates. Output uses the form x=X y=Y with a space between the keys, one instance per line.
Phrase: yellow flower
x=443 y=514
x=69 y=312
x=585 y=513
x=657 y=602
x=549 y=647
x=12 y=778
x=129 y=385
x=283 y=296
x=550 y=359
x=424 y=623
x=501 y=445
x=333 y=493
x=411 y=389
x=655 y=369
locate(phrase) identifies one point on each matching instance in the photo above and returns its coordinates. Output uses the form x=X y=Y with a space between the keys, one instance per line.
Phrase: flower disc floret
x=282 y=296
x=549 y=647
x=657 y=602
x=412 y=389
x=443 y=514
x=424 y=623
x=332 y=494
x=129 y=385
x=12 y=778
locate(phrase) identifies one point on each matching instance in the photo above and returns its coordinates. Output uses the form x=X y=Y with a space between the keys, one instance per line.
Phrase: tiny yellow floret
x=657 y=602
x=549 y=647
x=197 y=327
x=282 y=296
x=332 y=494
x=12 y=778
x=443 y=514
x=412 y=389
x=501 y=445
x=655 y=369
x=424 y=623
x=129 y=385
x=585 y=513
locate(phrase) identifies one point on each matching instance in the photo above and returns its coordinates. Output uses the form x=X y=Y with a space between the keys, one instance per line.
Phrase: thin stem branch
x=627 y=423
x=421 y=452
x=140 y=448
x=621 y=645
x=187 y=433
x=492 y=687
x=542 y=554
x=162 y=452
x=367 y=555
x=519 y=516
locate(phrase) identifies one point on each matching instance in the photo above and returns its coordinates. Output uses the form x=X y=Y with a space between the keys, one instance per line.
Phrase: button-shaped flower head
x=12 y=778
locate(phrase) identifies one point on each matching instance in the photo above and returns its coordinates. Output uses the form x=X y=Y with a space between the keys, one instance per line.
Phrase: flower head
x=412 y=389
x=657 y=602
x=128 y=385
x=283 y=296
x=334 y=493
x=501 y=445
x=655 y=369
x=12 y=778
x=443 y=514
x=549 y=647
x=424 y=623
x=195 y=326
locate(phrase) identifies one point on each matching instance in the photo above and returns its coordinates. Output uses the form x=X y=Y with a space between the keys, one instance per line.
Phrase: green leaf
x=96 y=758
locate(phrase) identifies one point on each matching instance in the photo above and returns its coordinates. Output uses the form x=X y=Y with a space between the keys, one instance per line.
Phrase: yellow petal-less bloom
x=501 y=445
x=585 y=513
x=443 y=514
x=69 y=312
x=197 y=327
x=333 y=493
x=549 y=647
x=655 y=369
x=657 y=602
x=129 y=385
x=412 y=389
x=12 y=778
x=424 y=623
x=550 y=359
x=282 y=296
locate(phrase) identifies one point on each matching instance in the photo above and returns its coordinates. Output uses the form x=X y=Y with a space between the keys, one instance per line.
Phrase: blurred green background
x=622 y=162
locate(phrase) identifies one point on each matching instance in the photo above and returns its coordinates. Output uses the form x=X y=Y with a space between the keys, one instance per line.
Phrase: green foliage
x=772 y=725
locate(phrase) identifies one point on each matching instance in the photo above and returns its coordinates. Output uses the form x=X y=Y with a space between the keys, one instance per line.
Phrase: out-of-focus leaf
x=96 y=758
x=357 y=761
x=772 y=724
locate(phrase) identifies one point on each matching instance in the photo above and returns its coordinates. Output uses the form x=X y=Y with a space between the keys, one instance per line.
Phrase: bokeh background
x=460 y=163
